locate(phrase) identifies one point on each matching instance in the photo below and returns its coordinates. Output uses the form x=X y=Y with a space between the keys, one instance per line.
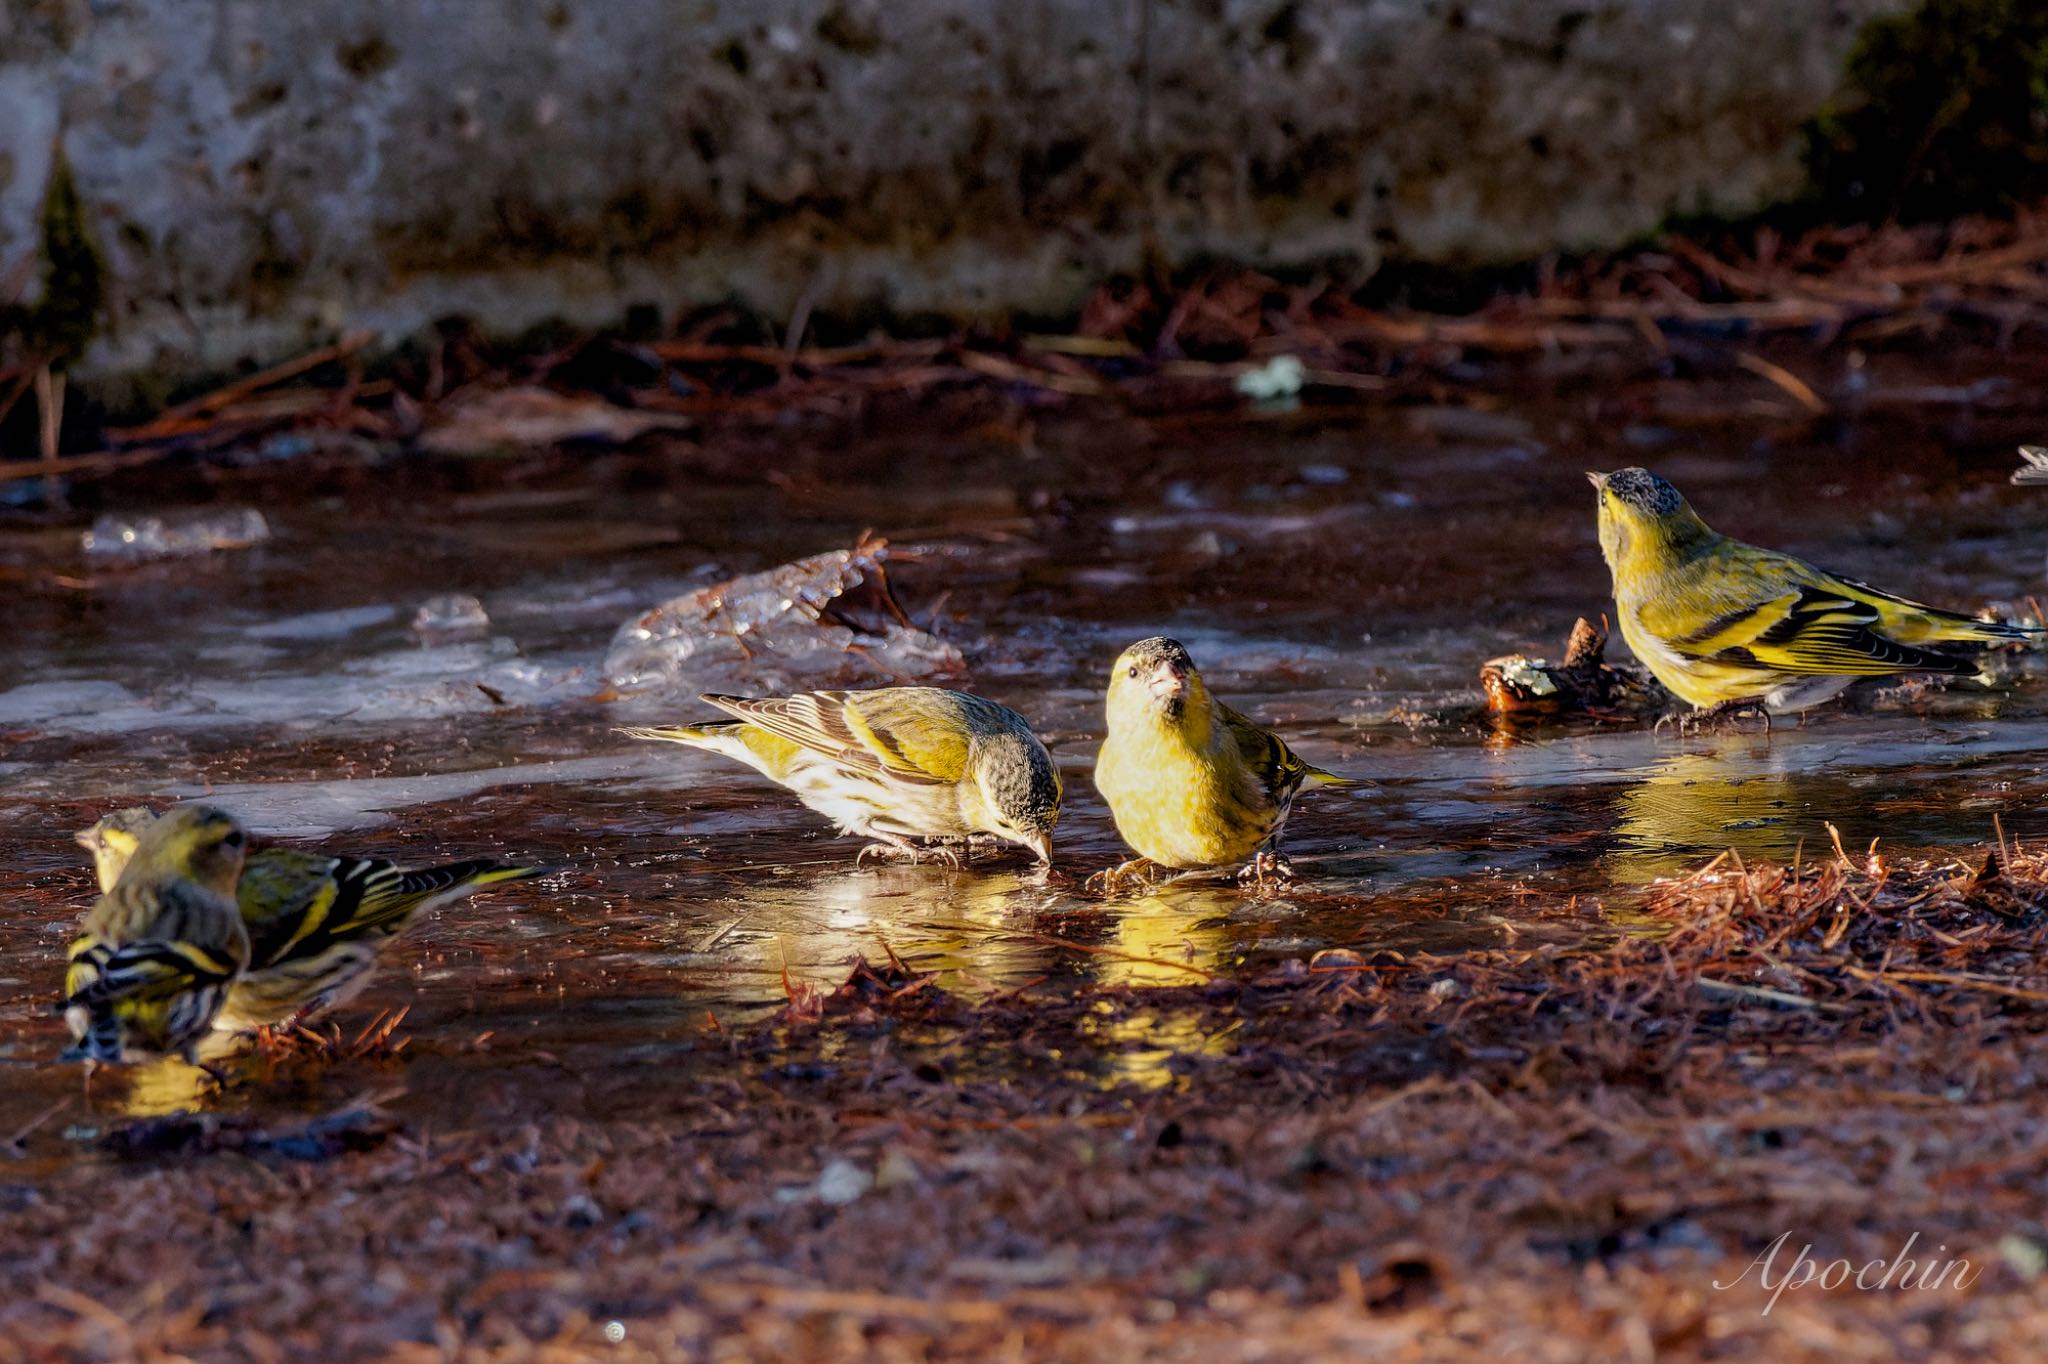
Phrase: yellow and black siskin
x=1191 y=782
x=316 y=923
x=1724 y=624
x=894 y=764
x=156 y=956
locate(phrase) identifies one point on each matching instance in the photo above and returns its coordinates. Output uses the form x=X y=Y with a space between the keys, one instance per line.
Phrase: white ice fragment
x=1524 y=675
x=40 y=702
x=824 y=621
x=450 y=617
x=312 y=809
x=121 y=539
x=323 y=624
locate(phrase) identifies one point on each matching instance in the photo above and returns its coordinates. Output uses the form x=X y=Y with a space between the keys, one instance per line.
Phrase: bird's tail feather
x=1968 y=630
x=1912 y=622
x=699 y=735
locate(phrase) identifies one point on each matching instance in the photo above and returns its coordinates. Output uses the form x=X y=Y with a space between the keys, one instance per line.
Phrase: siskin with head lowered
x=894 y=764
x=1191 y=783
x=1723 y=623
x=155 y=957
x=316 y=923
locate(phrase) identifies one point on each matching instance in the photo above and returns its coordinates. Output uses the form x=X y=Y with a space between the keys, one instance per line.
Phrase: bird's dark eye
x=1134 y=670
x=233 y=840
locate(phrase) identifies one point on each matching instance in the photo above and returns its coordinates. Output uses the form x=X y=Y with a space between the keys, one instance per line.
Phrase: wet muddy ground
x=604 y=1109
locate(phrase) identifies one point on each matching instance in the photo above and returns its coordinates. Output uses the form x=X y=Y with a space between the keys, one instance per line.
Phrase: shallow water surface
x=1342 y=582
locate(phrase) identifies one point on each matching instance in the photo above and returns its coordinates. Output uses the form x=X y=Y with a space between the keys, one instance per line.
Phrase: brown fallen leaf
x=495 y=419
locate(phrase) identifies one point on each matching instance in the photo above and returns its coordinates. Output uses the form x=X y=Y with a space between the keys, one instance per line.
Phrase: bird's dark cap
x=1642 y=490
x=1159 y=649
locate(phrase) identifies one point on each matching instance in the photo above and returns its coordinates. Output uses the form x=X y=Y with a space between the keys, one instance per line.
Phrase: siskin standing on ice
x=894 y=764
x=1191 y=782
x=316 y=923
x=155 y=957
x=1725 y=624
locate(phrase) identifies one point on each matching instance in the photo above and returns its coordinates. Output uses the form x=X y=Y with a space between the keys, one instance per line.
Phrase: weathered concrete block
x=264 y=174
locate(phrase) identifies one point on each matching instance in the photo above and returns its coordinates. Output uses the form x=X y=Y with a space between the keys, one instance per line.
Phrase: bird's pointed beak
x=1168 y=682
x=1042 y=845
x=1596 y=479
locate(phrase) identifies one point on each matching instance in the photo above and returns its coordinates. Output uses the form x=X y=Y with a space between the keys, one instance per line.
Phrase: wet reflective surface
x=1341 y=581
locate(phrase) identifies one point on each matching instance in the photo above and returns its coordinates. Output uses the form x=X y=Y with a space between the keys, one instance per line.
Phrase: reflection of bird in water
x=958 y=921
x=170 y=1084
x=1692 y=806
x=1176 y=927
x=1174 y=936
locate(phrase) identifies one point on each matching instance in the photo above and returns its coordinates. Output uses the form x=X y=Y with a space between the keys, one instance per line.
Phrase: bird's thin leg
x=1267 y=869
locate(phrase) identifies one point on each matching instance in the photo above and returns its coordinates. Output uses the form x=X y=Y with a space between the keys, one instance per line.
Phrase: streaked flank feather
x=1720 y=622
x=1191 y=782
x=894 y=764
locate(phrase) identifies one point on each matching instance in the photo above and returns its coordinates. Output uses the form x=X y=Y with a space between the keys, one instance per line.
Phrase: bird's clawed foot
x=1695 y=721
x=1138 y=872
x=1267 y=870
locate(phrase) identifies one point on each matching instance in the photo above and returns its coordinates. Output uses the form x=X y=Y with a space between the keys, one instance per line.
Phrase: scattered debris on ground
x=1214 y=343
x=1552 y=1153
x=1585 y=683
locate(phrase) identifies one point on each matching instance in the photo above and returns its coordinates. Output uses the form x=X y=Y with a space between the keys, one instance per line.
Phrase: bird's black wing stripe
x=1813 y=604
x=1288 y=770
x=1726 y=621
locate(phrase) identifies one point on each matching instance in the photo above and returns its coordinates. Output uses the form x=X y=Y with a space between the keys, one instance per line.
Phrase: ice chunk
x=450 y=617
x=826 y=621
x=512 y=682
x=318 y=625
x=311 y=809
x=40 y=703
x=120 y=539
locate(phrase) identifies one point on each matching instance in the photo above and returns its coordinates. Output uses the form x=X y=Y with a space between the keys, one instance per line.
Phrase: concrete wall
x=267 y=172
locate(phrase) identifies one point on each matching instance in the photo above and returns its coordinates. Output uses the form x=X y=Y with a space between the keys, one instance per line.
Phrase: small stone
x=841 y=1182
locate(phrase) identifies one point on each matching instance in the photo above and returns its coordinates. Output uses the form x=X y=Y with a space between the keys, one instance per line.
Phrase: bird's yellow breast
x=1181 y=804
x=1695 y=681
